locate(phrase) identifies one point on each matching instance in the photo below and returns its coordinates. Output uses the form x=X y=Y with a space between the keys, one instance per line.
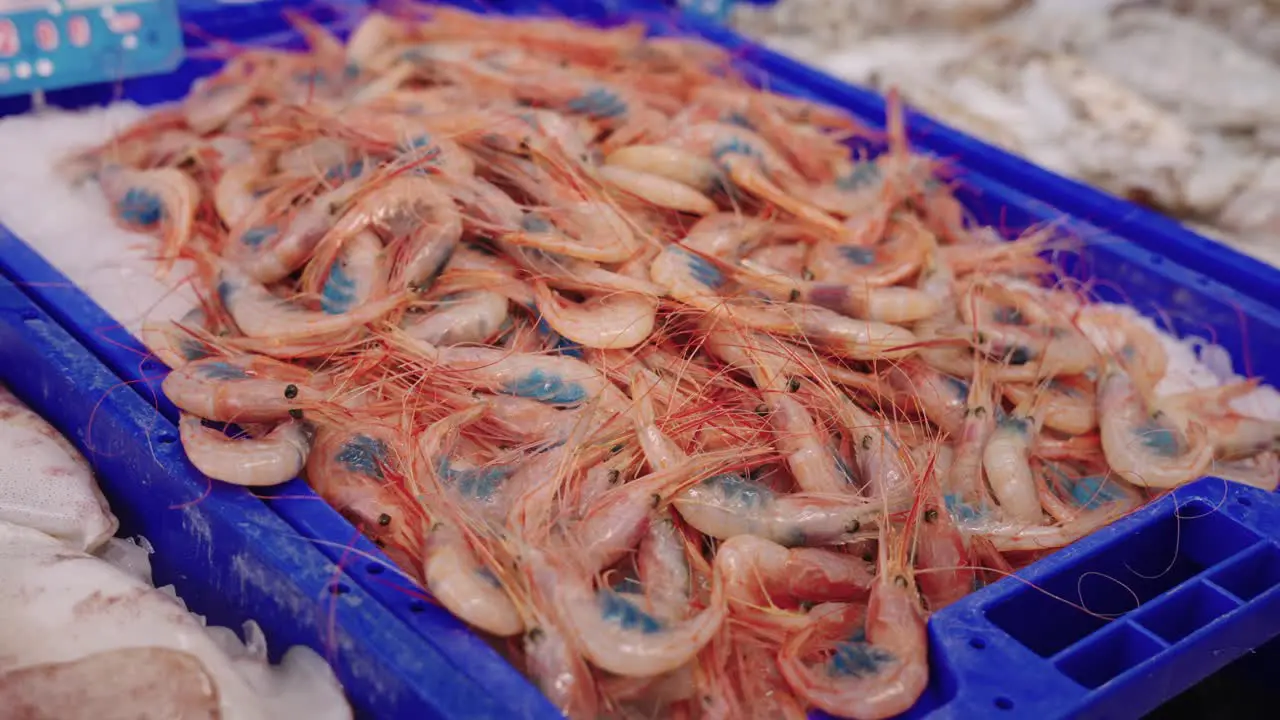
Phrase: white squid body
x=77 y=626
x=45 y=484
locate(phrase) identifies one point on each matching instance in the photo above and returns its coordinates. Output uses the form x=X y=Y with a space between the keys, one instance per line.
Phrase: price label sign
x=52 y=44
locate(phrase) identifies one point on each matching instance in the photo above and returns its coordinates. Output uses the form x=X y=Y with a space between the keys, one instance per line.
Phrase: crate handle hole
x=1004 y=703
x=1245 y=501
x=375 y=569
x=417 y=606
x=977 y=643
x=166 y=438
x=339 y=589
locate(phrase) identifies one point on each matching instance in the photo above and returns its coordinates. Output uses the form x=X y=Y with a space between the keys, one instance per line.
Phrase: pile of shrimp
x=634 y=367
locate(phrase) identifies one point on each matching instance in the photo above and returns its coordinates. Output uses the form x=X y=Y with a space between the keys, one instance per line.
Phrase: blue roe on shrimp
x=192 y=349
x=363 y=455
x=734 y=146
x=858 y=255
x=861 y=175
x=617 y=609
x=858 y=658
x=739 y=491
x=534 y=223
x=339 y=291
x=1161 y=440
x=600 y=103
x=703 y=271
x=223 y=371
x=256 y=236
x=345 y=171
x=959 y=388
x=1091 y=493
x=540 y=386
x=140 y=207
x=960 y=510
x=475 y=483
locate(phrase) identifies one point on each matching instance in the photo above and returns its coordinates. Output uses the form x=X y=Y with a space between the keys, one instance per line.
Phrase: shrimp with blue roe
x=1144 y=444
x=259 y=314
x=1015 y=327
x=1235 y=436
x=748 y=163
x=730 y=504
x=176 y=342
x=878 y=670
x=614 y=633
x=878 y=261
x=964 y=489
x=1006 y=462
x=879 y=450
x=274 y=458
x=1069 y=402
x=419 y=219
x=163 y=201
x=246 y=389
x=353 y=470
x=944 y=561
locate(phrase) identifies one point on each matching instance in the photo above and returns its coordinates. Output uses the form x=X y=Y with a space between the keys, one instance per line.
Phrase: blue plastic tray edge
x=265 y=559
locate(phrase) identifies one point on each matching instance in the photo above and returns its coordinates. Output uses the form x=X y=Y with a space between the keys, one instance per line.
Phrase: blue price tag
x=50 y=44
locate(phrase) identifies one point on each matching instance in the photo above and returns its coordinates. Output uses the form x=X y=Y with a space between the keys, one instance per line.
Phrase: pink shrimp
x=877 y=677
x=275 y=458
x=245 y=388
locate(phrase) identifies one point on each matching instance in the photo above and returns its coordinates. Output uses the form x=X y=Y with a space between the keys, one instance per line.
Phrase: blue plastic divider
x=1216 y=569
x=232 y=559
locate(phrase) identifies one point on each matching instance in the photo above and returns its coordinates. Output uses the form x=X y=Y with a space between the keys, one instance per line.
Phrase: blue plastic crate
x=986 y=658
x=230 y=558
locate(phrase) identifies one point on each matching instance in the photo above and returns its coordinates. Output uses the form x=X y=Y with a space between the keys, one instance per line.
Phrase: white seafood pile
x=85 y=634
x=1171 y=103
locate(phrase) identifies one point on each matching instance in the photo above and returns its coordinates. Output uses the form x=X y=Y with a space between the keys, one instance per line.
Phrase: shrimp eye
x=762 y=409
x=656 y=499
x=930 y=515
x=900 y=580
x=534 y=635
x=379 y=543
x=290 y=391
x=613 y=476
x=795 y=295
x=866 y=442
x=868 y=557
x=384 y=519
x=852 y=527
x=708 y=700
x=794 y=384
x=980 y=411
x=806 y=274
x=616 y=449
x=296 y=414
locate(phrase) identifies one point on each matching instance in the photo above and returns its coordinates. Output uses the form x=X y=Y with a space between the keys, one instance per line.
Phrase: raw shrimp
x=1068 y=401
x=242 y=389
x=356 y=276
x=941 y=397
x=758 y=573
x=615 y=321
x=466 y=317
x=1006 y=463
x=877 y=263
x=882 y=670
x=1234 y=436
x=275 y=458
x=163 y=200
x=613 y=632
x=945 y=568
x=682 y=166
x=726 y=505
x=658 y=190
x=663 y=567
x=259 y=314
x=466 y=587
x=351 y=470
x=173 y=342
x=1148 y=447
